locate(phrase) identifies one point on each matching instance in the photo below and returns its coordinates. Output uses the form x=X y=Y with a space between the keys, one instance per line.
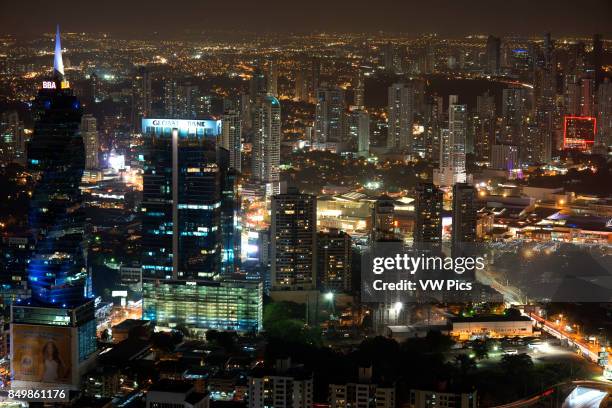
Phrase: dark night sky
x=447 y=17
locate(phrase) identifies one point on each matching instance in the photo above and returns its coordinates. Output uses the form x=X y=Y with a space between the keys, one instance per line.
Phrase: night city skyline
x=325 y=204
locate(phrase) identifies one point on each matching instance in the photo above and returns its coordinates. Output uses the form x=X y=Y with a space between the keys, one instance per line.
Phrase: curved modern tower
x=61 y=310
x=57 y=273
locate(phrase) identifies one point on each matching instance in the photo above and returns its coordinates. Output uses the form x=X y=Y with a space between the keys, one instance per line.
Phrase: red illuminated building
x=579 y=132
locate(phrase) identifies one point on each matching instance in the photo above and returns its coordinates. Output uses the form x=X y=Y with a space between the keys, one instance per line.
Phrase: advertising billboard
x=41 y=354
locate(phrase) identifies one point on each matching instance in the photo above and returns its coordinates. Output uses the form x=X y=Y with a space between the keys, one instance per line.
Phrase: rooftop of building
x=124 y=351
x=490 y=318
x=129 y=324
x=173 y=386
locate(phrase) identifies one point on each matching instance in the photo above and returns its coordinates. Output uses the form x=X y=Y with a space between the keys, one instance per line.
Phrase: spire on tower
x=58 y=63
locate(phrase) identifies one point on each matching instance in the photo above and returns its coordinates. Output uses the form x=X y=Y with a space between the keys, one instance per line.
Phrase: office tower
x=12 y=138
x=359 y=91
x=464 y=216
x=188 y=199
x=272 y=78
x=329 y=115
x=301 y=86
x=60 y=315
x=604 y=114
x=294 y=231
x=285 y=386
x=400 y=116
x=493 y=55
x=358 y=132
x=266 y=143
x=231 y=138
x=89 y=132
x=181 y=199
x=428 y=210
x=383 y=220
x=334 y=261
x=504 y=157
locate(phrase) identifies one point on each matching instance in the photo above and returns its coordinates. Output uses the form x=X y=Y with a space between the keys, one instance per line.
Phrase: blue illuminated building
x=61 y=307
x=56 y=272
x=190 y=230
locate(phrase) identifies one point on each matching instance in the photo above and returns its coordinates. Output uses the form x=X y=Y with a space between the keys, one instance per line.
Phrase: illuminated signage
x=48 y=85
x=579 y=132
x=184 y=126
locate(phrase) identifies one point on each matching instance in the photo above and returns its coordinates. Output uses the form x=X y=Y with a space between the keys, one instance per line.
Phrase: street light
x=329 y=296
x=398 y=306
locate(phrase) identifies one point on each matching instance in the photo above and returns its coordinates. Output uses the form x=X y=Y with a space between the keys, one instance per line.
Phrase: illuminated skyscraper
x=231 y=138
x=142 y=97
x=329 y=115
x=301 y=86
x=89 y=132
x=60 y=314
x=401 y=116
x=294 y=231
x=359 y=91
x=428 y=210
x=181 y=200
x=266 y=143
x=358 y=132
x=334 y=260
x=188 y=222
x=453 y=146
x=464 y=216
x=272 y=78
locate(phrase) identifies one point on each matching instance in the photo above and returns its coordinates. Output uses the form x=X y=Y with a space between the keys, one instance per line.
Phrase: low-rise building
x=492 y=326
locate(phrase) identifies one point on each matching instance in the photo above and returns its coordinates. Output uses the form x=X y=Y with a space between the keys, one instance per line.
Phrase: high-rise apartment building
x=464 y=215
x=294 y=231
x=357 y=137
x=329 y=116
x=231 y=138
x=400 y=116
x=428 y=210
x=334 y=260
x=89 y=132
x=266 y=144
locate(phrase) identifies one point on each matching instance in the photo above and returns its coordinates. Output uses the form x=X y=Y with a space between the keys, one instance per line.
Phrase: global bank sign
x=201 y=127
